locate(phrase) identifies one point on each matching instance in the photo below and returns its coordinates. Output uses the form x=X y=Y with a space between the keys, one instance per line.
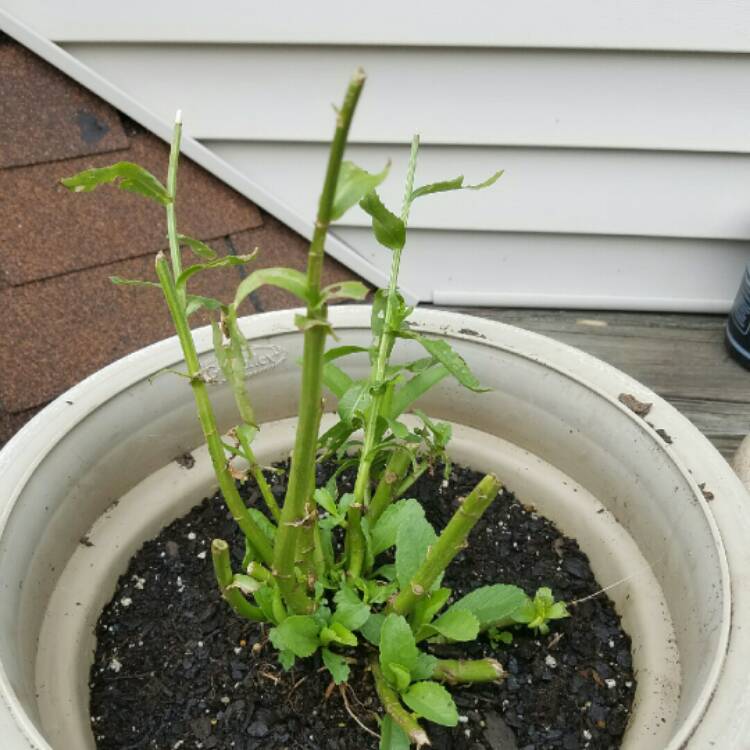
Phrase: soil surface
x=175 y=668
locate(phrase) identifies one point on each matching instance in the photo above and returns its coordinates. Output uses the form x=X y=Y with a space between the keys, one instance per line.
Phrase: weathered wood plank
x=680 y=357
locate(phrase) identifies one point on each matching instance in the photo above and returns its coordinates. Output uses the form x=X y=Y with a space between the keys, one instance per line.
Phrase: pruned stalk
x=174 y=243
x=389 y=484
x=206 y=415
x=354 y=537
x=458 y=671
x=225 y=579
x=393 y=707
x=258 y=572
x=301 y=475
x=450 y=542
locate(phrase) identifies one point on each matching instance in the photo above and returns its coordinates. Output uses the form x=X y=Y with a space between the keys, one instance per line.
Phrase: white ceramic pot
x=552 y=427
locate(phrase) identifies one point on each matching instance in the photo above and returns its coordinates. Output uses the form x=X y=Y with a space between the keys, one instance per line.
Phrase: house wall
x=624 y=130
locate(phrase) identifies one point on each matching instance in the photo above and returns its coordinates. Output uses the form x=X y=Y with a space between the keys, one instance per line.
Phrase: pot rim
x=26 y=450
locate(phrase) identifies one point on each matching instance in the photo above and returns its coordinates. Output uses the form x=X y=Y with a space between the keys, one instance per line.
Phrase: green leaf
x=412 y=543
x=264 y=598
x=119 y=281
x=457 y=183
x=223 y=262
x=353 y=184
x=345 y=290
x=338 y=633
x=285 y=278
x=493 y=605
x=455 y=625
x=342 y=351
x=351 y=612
x=201 y=249
x=336 y=380
x=425 y=667
x=244 y=583
x=305 y=323
x=196 y=302
x=355 y=401
x=433 y=702
x=124 y=175
x=286 y=659
x=325 y=500
x=261 y=520
x=371 y=629
x=398 y=675
x=397 y=515
x=336 y=665
x=451 y=360
x=298 y=634
x=392 y=737
x=389 y=230
x=416 y=387
x=428 y=606
x=397 y=645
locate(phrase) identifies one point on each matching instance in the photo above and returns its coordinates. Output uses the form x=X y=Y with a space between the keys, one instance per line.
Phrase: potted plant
x=319 y=569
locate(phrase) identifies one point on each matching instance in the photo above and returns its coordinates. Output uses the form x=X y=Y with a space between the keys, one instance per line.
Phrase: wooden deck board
x=681 y=357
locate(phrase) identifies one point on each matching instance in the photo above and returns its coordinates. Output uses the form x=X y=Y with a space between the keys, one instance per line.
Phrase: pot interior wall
x=122 y=436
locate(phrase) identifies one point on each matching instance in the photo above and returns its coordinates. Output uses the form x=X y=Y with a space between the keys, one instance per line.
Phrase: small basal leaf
x=336 y=665
x=397 y=675
x=286 y=659
x=337 y=633
x=389 y=230
x=201 y=249
x=433 y=702
x=397 y=644
x=493 y=605
x=457 y=183
x=428 y=606
x=398 y=514
x=298 y=634
x=124 y=175
x=412 y=543
x=371 y=629
x=353 y=184
x=392 y=737
x=455 y=625
x=351 y=612
x=325 y=500
x=425 y=667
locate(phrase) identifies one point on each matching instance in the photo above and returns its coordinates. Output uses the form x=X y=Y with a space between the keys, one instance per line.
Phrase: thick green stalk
x=458 y=671
x=392 y=705
x=391 y=480
x=302 y=472
x=450 y=542
x=174 y=243
x=225 y=579
x=355 y=543
x=206 y=415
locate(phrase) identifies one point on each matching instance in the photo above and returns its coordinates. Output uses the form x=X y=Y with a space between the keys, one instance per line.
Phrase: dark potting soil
x=176 y=668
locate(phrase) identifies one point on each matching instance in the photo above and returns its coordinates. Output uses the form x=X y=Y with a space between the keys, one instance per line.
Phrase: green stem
x=458 y=671
x=258 y=572
x=392 y=705
x=391 y=481
x=174 y=243
x=206 y=415
x=302 y=472
x=354 y=537
x=450 y=542
x=225 y=579
x=260 y=479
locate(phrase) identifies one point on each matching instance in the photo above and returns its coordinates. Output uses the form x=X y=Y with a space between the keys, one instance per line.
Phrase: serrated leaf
x=124 y=175
x=264 y=599
x=493 y=605
x=451 y=360
x=298 y=634
x=337 y=633
x=286 y=659
x=432 y=701
x=428 y=606
x=392 y=737
x=345 y=290
x=351 y=612
x=389 y=230
x=412 y=543
x=285 y=278
x=353 y=184
x=371 y=629
x=355 y=401
x=455 y=625
x=399 y=514
x=457 y=183
x=424 y=668
x=324 y=499
x=336 y=665
x=397 y=644
x=201 y=249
